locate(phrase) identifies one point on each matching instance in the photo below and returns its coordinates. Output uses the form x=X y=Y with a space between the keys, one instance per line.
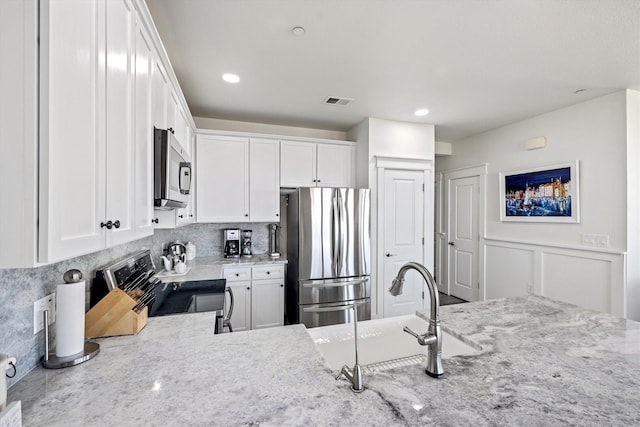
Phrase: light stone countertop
x=544 y=363
x=209 y=268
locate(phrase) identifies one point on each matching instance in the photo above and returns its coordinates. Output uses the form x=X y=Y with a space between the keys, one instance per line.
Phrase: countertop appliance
x=329 y=250
x=232 y=243
x=246 y=243
x=171 y=170
x=135 y=274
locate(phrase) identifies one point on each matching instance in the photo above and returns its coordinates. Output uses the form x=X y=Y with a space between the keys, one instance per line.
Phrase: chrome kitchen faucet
x=433 y=337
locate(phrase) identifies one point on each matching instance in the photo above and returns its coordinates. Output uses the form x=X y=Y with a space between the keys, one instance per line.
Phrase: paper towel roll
x=70 y=318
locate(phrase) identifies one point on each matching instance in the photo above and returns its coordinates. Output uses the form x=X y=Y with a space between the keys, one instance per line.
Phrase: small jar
x=191 y=251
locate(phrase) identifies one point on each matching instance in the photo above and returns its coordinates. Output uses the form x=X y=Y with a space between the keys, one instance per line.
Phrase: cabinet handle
x=171 y=130
x=155 y=220
x=314 y=180
x=277 y=214
x=191 y=216
x=248 y=288
x=281 y=285
x=318 y=181
x=108 y=225
x=180 y=216
x=268 y=272
x=116 y=224
x=246 y=214
x=237 y=274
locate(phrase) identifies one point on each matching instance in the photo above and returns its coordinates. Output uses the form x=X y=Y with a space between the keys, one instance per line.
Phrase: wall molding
x=555 y=245
x=589 y=278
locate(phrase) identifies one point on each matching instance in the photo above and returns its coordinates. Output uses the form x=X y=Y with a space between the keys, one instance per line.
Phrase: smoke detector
x=336 y=100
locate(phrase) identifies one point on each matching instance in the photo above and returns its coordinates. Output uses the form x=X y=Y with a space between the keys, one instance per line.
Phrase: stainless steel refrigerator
x=329 y=253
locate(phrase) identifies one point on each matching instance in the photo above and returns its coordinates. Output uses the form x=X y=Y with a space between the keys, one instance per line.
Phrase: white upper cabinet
x=72 y=147
x=237 y=179
x=264 y=180
x=335 y=165
x=143 y=202
x=298 y=164
x=222 y=176
x=159 y=93
x=89 y=87
x=120 y=148
x=309 y=164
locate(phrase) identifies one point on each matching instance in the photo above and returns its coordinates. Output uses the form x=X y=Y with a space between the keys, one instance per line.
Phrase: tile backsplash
x=20 y=288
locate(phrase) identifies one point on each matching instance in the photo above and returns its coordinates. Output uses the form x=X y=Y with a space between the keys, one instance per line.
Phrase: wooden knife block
x=113 y=316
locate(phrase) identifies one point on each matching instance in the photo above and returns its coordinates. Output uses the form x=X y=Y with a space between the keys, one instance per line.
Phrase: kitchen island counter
x=543 y=363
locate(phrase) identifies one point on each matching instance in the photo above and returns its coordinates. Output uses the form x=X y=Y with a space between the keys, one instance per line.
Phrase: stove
x=135 y=275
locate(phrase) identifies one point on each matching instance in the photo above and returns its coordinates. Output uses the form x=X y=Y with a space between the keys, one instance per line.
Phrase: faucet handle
x=425 y=339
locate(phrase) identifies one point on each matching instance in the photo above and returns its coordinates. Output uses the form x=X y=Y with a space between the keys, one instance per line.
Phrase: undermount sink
x=382 y=344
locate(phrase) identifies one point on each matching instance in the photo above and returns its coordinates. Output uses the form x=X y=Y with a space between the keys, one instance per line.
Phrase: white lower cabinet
x=258 y=294
x=267 y=295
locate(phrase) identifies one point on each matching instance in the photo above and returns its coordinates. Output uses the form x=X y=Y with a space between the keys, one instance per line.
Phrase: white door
x=463 y=238
x=403 y=238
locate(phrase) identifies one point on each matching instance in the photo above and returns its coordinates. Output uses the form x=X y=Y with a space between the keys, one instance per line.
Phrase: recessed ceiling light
x=230 y=78
x=298 y=31
x=421 y=112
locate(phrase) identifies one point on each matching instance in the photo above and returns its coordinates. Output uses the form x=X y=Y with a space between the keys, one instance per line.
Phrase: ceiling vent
x=335 y=100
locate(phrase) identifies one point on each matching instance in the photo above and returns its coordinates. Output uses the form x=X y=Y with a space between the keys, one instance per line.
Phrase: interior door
x=403 y=238
x=463 y=238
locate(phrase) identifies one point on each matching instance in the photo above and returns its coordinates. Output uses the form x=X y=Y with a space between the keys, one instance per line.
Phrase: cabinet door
x=336 y=166
x=297 y=164
x=241 y=315
x=120 y=149
x=222 y=176
x=72 y=199
x=267 y=309
x=264 y=180
x=159 y=95
x=143 y=203
x=182 y=126
x=172 y=110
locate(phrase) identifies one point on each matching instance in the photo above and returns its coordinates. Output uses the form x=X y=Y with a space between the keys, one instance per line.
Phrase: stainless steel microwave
x=172 y=171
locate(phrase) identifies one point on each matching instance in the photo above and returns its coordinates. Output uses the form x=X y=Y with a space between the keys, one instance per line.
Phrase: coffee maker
x=232 y=243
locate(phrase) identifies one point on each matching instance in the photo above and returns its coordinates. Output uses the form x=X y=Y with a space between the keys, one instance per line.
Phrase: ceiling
x=476 y=65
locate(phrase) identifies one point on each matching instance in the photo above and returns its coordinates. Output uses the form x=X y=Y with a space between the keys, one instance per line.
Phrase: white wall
x=555 y=262
x=387 y=138
x=238 y=126
x=633 y=204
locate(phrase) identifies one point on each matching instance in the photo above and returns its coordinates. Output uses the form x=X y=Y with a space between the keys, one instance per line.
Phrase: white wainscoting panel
x=588 y=277
x=584 y=281
x=509 y=272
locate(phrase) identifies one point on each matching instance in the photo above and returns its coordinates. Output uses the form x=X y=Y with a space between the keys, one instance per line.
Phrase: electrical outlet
x=530 y=288
x=46 y=303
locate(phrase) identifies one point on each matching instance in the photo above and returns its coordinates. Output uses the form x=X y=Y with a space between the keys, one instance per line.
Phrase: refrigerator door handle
x=335 y=284
x=336 y=235
x=333 y=308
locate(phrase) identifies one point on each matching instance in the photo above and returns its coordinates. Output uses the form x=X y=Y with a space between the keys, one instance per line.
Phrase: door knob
x=451 y=244
x=390 y=255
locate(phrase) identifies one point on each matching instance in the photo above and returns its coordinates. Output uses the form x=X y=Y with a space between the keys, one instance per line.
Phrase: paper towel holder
x=91 y=348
